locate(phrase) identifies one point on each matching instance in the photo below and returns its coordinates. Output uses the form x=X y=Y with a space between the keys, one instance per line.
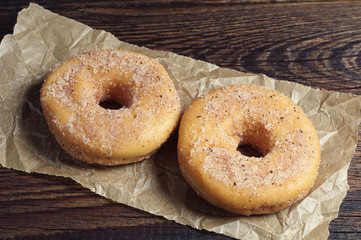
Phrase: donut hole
x=116 y=98
x=249 y=151
x=110 y=104
x=255 y=141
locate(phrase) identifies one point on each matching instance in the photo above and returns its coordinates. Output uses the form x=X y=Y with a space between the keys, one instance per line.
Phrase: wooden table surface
x=314 y=43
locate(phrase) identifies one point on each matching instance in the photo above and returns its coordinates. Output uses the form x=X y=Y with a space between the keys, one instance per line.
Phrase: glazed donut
x=216 y=124
x=150 y=111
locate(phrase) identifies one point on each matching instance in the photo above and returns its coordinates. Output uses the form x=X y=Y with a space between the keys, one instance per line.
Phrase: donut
x=147 y=113
x=216 y=124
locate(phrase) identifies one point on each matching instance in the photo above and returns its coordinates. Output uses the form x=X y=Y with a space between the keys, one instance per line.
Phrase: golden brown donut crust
x=213 y=127
x=70 y=100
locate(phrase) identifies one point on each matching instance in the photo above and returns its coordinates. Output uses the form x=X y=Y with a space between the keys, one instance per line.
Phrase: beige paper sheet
x=42 y=39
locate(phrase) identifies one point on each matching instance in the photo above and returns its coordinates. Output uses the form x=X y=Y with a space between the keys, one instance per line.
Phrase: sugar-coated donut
x=216 y=124
x=70 y=100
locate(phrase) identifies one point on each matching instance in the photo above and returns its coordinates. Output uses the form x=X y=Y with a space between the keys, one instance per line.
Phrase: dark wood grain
x=314 y=43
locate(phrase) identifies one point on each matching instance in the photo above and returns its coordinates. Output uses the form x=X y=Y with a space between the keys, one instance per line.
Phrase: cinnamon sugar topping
x=267 y=122
x=130 y=79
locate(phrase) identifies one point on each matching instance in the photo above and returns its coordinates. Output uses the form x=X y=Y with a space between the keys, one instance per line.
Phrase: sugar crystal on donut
x=213 y=127
x=71 y=98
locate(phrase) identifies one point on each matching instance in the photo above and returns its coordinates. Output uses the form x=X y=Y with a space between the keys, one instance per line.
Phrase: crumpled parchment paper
x=41 y=39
